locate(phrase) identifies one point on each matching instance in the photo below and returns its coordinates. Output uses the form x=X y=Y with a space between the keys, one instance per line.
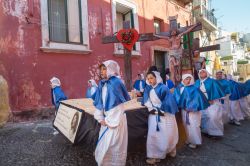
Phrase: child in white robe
x=111 y=149
x=92 y=87
x=211 y=121
x=235 y=114
x=227 y=89
x=57 y=93
x=162 y=127
x=191 y=100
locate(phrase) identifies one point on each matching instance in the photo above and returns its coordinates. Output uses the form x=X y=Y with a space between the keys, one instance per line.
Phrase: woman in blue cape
x=211 y=120
x=244 y=104
x=227 y=89
x=191 y=101
x=162 y=127
x=92 y=87
x=238 y=102
x=169 y=83
x=247 y=87
x=139 y=85
x=112 y=144
x=57 y=93
x=245 y=99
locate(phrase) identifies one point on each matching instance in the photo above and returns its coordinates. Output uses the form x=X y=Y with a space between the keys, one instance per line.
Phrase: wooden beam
x=182 y=29
x=142 y=37
x=128 y=69
x=210 y=48
x=127 y=62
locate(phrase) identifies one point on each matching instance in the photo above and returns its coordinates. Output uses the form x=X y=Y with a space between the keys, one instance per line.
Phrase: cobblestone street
x=26 y=144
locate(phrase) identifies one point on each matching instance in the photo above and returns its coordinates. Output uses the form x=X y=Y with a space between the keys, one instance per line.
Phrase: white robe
x=245 y=107
x=111 y=149
x=248 y=99
x=212 y=117
x=226 y=110
x=235 y=110
x=93 y=90
x=193 y=130
x=162 y=142
x=141 y=88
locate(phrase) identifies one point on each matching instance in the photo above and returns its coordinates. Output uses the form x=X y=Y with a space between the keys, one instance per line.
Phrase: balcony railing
x=209 y=15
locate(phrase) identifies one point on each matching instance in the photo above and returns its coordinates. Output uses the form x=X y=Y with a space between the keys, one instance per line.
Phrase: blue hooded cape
x=247 y=87
x=226 y=86
x=168 y=102
x=170 y=84
x=59 y=96
x=238 y=90
x=191 y=99
x=213 y=88
x=116 y=94
x=88 y=93
x=137 y=84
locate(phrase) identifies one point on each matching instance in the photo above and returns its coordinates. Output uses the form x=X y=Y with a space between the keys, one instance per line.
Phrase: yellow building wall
x=227 y=68
x=244 y=71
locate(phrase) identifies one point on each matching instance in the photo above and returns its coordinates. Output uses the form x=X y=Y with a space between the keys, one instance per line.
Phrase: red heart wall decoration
x=128 y=38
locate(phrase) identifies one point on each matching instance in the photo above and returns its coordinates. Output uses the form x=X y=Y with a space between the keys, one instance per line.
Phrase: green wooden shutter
x=185 y=40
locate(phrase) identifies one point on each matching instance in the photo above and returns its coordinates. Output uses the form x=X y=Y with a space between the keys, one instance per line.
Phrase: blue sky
x=233 y=15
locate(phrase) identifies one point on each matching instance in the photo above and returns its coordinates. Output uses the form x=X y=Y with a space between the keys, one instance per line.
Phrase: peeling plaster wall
x=28 y=70
x=15 y=8
x=18 y=54
x=5 y=43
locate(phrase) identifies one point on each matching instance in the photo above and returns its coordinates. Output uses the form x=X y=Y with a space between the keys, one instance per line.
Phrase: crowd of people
x=205 y=104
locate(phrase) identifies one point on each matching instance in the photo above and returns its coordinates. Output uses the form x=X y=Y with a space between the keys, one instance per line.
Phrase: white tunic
x=203 y=88
x=111 y=149
x=162 y=142
x=211 y=118
x=92 y=90
x=141 y=88
x=244 y=107
x=214 y=124
x=225 y=110
x=235 y=110
x=193 y=130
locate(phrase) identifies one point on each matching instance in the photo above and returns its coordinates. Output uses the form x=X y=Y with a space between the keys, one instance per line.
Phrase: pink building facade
x=40 y=39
